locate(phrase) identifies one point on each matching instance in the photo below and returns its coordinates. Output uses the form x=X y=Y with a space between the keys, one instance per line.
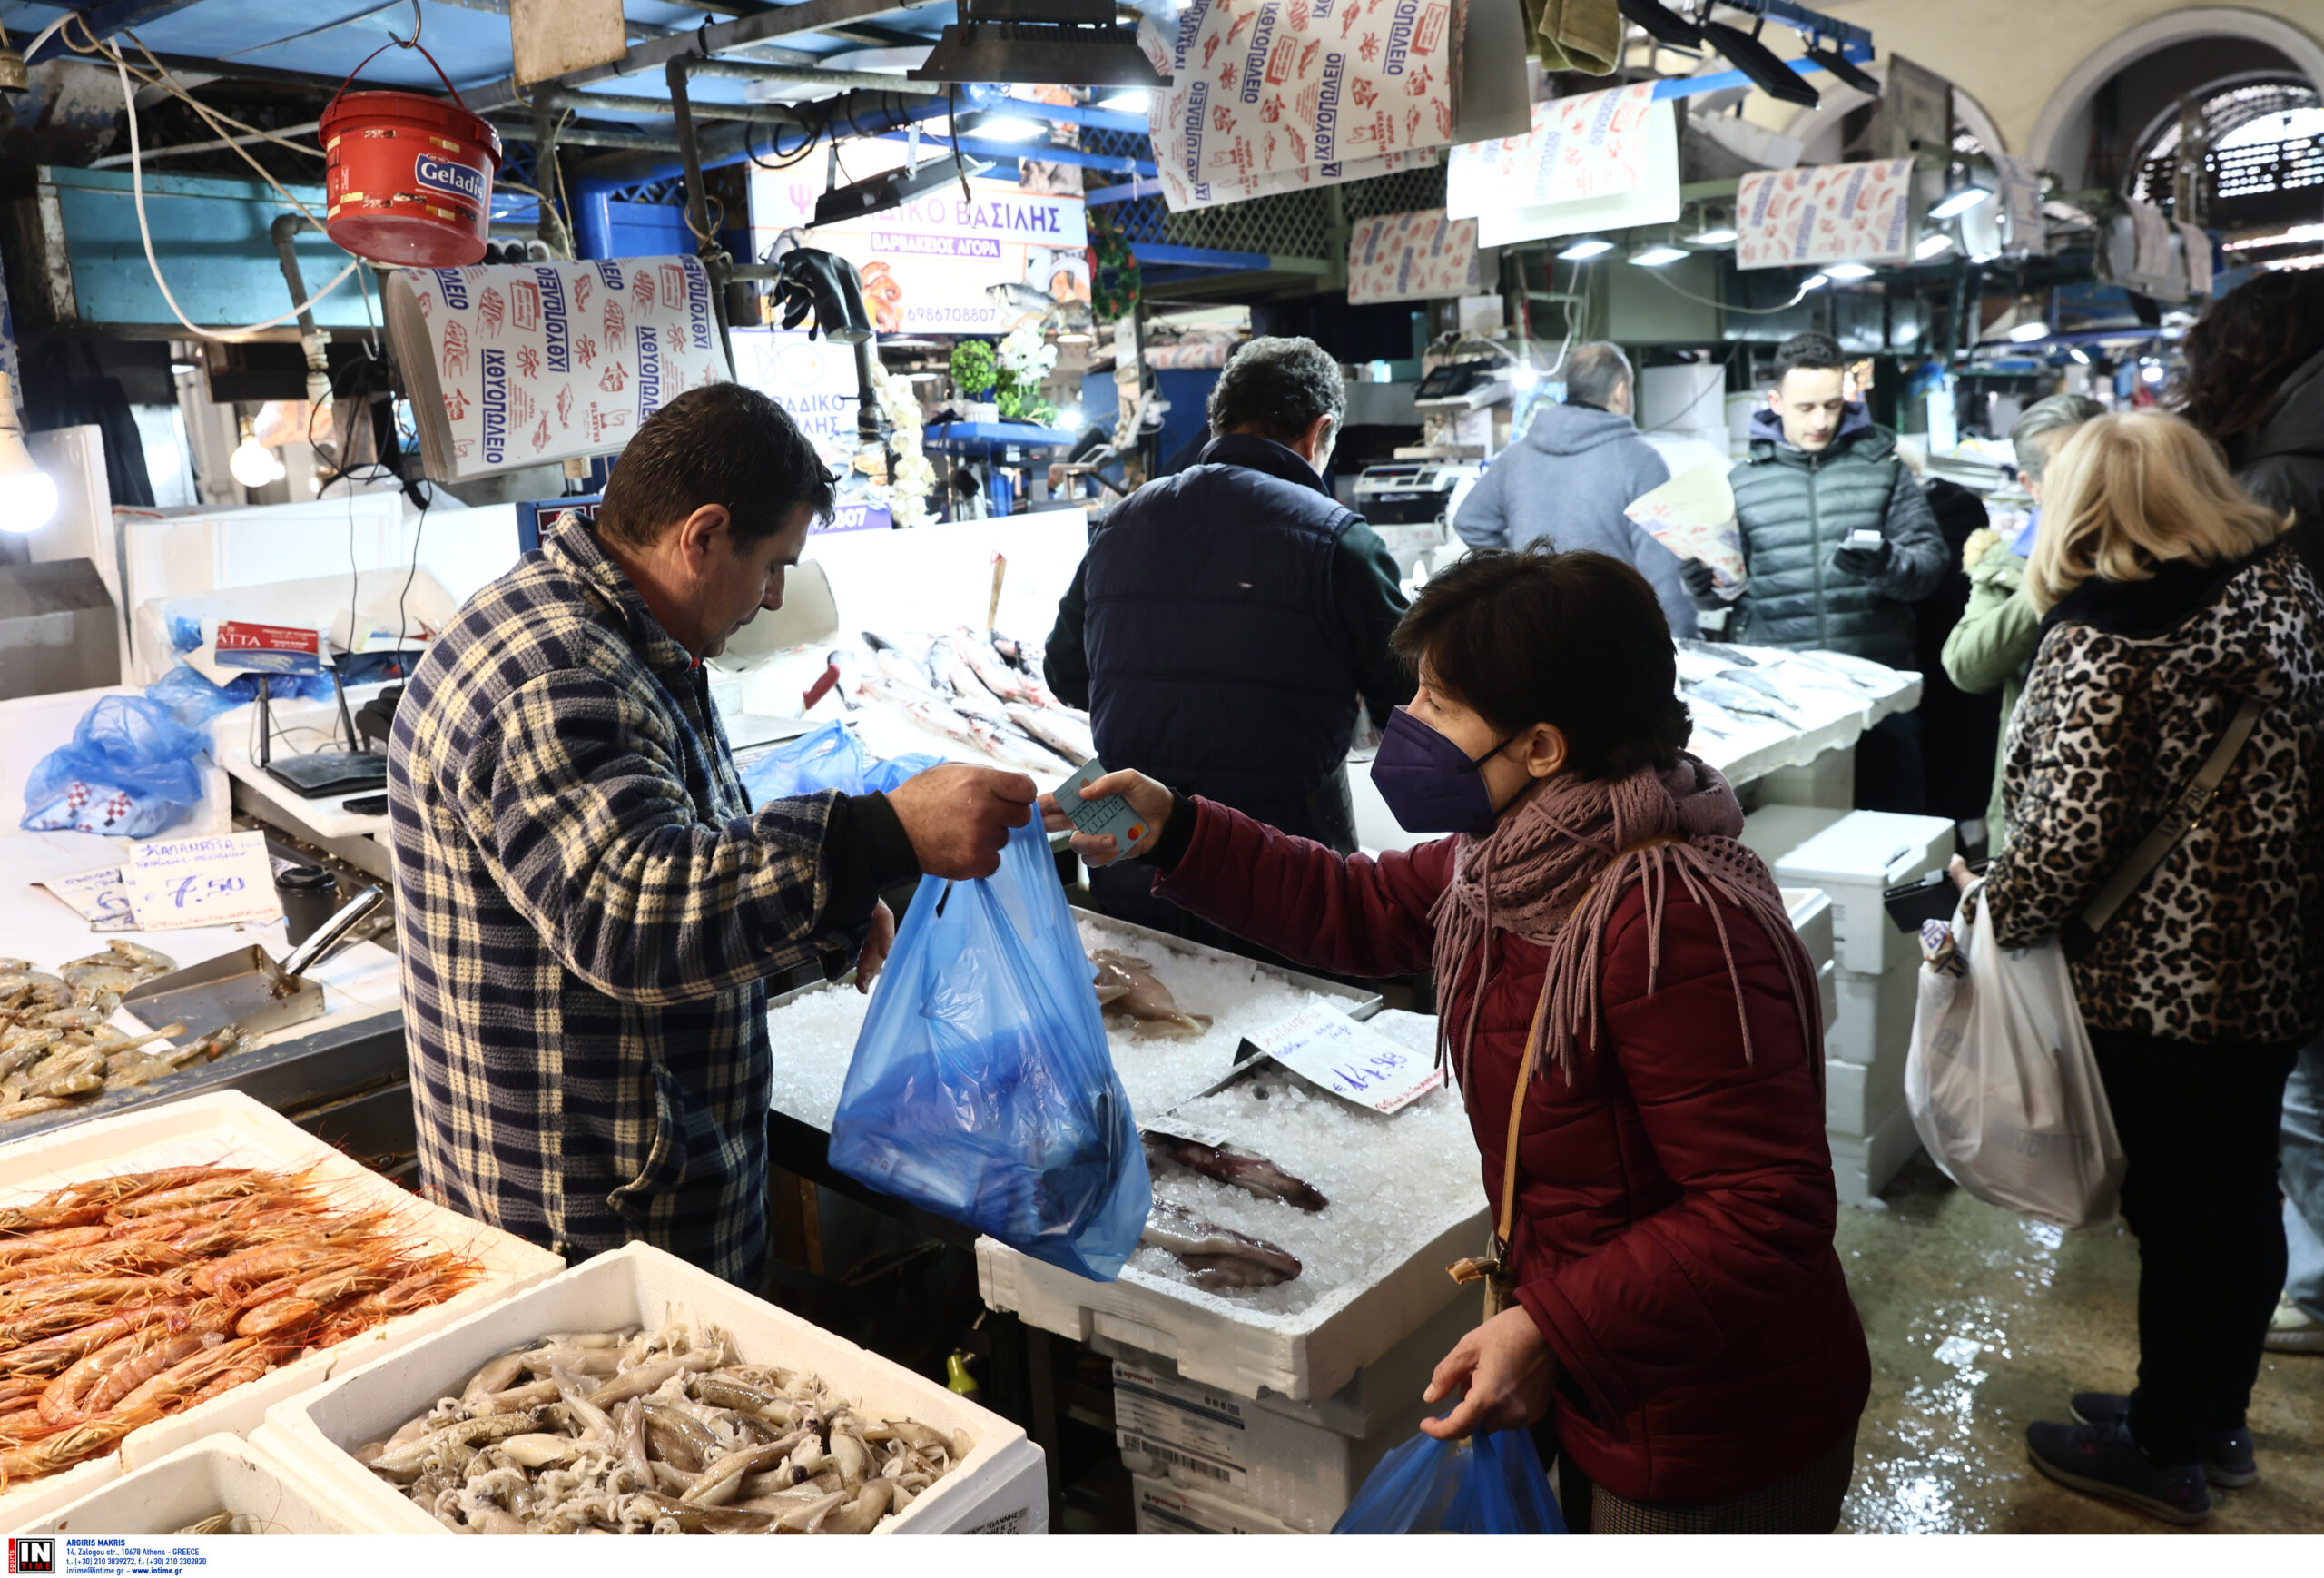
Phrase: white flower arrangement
x=1025 y=355
x=911 y=479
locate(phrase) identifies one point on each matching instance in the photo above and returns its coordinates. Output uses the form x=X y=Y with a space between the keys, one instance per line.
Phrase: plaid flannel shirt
x=588 y=910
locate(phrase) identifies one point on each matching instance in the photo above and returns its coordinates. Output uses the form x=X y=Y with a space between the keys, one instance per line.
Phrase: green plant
x=1025 y=405
x=974 y=371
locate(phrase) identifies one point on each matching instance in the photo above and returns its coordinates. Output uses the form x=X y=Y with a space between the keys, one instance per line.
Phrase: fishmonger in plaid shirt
x=589 y=905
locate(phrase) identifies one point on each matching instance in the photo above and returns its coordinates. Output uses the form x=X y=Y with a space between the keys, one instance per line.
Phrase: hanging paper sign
x=2199 y=259
x=267 y=649
x=200 y=881
x=1412 y=257
x=1264 y=89
x=1593 y=145
x=811 y=379
x=942 y=263
x=2020 y=203
x=1502 y=220
x=1324 y=1047
x=1825 y=214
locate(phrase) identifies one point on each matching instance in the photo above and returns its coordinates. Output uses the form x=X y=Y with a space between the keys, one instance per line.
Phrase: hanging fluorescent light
x=2079 y=354
x=1719 y=235
x=1934 y=245
x=892 y=189
x=1814 y=282
x=1657 y=256
x=1662 y=23
x=1071 y=43
x=252 y=463
x=1000 y=126
x=1849 y=270
x=27 y=493
x=1842 y=68
x=1587 y=248
x=2151 y=372
x=2025 y=333
x=1131 y=101
x=1959 y=201
x=1755 y=60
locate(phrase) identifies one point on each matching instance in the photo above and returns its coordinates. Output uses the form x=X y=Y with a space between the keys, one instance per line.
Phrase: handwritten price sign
x=1324 y=1045
x=200 y=881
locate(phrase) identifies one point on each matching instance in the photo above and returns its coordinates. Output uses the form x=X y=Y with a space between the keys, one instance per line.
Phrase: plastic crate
x=1000 y=1488
x=229 y=1128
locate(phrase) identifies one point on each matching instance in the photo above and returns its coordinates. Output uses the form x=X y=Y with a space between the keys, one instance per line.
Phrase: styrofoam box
x=1874 y=1028
x=1828 y=781
x=1862 y=1168
x=218 y=1474
x=1297 y=1464
x=1000 y=1488
x=1167 y=1509
x=229 y=1128
x=1810 y=910
x=1858 y=1099
x=1856 y=860
x=1828 y=991
x=1773 y=831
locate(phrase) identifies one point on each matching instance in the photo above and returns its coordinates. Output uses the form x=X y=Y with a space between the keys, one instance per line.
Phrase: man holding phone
x=1838 y=543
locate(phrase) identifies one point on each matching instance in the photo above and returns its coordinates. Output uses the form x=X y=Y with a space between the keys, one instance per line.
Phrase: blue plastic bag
x=193 y=700
x=830 y=757
x=982 y=1088
x=1491 y=1483
x=129 y=771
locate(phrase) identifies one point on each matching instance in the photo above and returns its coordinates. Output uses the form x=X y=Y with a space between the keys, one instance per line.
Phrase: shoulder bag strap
x=2080 y=934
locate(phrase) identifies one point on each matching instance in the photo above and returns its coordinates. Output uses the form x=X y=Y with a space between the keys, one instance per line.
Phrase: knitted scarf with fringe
x=1555 y=871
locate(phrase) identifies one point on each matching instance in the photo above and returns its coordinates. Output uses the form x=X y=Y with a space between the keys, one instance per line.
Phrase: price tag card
x=200 y=881
x=1170 y=1126
x=97 y=897
x=1324 y=1045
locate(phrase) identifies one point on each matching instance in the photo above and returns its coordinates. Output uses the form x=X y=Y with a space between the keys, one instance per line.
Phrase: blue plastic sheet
x=830 y=757
x=128 y=771
x=193 y=700
x=982 y=1088
x=1487 y=1484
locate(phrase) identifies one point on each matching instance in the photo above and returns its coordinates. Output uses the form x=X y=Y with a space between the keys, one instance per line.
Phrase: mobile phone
x=1097 y=818
x=1866 y=538
x=1932 y=898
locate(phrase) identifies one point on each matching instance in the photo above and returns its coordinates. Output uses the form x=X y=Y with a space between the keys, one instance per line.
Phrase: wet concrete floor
x=1981 y=1323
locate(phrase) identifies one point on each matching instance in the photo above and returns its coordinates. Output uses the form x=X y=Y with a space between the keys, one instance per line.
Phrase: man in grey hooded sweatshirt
x=1572 y=474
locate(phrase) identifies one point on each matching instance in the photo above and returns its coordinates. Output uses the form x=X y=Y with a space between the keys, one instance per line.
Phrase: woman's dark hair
x=2245 y=345
x=1573 y=639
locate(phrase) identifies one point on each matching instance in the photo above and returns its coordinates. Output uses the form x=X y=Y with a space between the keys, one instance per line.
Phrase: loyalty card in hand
x=1097 y=818
x=1322 y=1045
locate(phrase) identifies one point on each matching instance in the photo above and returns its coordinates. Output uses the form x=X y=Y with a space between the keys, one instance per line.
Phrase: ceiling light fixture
x=2151 y=372
x=1814 y=282
x=1657 y=256
x=1585 y=249
x=1960 y=201
x=891 y=188
x=1849 y=270
x=2029 y=330
x=1718 y=235
x=252 y=463
x=1755 y=60
x=2079 y=354
x=1000 y=126
x=1071 y=43
x=27 y=493
x=1129 y=102
x=1934 y=245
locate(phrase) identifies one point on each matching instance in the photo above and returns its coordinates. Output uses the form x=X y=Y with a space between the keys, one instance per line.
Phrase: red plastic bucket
x=409 y=177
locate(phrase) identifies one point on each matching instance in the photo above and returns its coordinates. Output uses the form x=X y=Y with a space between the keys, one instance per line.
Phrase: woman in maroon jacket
x=1677 y=1324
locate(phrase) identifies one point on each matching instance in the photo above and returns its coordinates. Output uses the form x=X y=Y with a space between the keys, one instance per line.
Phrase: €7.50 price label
x=1322 y=1045
x=200 y=881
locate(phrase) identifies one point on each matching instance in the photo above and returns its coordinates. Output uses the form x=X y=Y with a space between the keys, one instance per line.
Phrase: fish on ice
x=1255 y=1174
x=1220 y=1257
x=1127 y=985
x=1737 y=698
x=1054 y=729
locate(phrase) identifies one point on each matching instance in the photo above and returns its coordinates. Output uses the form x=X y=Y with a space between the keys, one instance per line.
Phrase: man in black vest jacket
x=1227 y=619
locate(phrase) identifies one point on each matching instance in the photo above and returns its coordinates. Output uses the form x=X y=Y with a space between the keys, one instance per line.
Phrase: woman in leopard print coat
x=2168 y=596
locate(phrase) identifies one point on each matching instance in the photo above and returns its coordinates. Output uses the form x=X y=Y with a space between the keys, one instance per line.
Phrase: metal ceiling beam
x=779 y=22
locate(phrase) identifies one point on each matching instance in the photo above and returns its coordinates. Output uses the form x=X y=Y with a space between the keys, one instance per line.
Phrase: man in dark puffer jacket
x=1819 y=472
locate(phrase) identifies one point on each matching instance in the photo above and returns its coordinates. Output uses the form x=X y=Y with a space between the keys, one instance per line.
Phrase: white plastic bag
x=2003 y=1087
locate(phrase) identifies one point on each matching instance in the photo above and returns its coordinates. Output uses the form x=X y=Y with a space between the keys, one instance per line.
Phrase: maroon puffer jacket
x=1675 y=1208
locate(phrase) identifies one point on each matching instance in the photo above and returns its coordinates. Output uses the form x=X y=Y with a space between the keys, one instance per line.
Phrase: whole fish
x=1738 y=698
x=1220 y=1257
x=921 y=707
x=1010 y=748
x=980 y=660
x=1011 y=653
x=892 y=662
x=1127 y=986
x=1754 y=679
x=1054 y=729
x=1726 y=653
x=1713 y=720
x=1256 y=1174
x=851 y=675
x=1814 y=677
x=1861 y=672
x=1698 y=666
x=958 y=684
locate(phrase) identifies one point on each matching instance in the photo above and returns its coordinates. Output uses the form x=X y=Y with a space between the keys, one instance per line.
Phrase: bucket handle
x=412 y=43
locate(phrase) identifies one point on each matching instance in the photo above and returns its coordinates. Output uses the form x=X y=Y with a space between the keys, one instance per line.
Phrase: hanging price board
x=1322 y=1045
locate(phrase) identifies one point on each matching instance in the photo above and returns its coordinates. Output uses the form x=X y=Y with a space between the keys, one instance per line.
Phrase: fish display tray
x=218 y=1474
x=231 y=1129
x=1000 y=1488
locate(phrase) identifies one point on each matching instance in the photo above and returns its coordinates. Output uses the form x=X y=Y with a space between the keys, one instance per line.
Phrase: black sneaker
x=2227 y=1457
x=2101 y=1460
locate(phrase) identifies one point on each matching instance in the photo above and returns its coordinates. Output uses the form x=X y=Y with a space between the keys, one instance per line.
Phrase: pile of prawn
x=660 y=1432
x=126 y=1299
x=56 y=1049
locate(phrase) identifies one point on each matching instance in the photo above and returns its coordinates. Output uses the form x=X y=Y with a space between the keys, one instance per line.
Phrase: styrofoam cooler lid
x=1773 y=831
x=1869 y=849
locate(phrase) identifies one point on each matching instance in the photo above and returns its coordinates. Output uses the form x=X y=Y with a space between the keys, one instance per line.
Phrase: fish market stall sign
x=268 y=649
x=1324 y=1047
x=942 y=263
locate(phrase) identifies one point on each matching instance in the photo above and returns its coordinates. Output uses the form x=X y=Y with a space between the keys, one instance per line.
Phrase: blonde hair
x=2127 y=492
